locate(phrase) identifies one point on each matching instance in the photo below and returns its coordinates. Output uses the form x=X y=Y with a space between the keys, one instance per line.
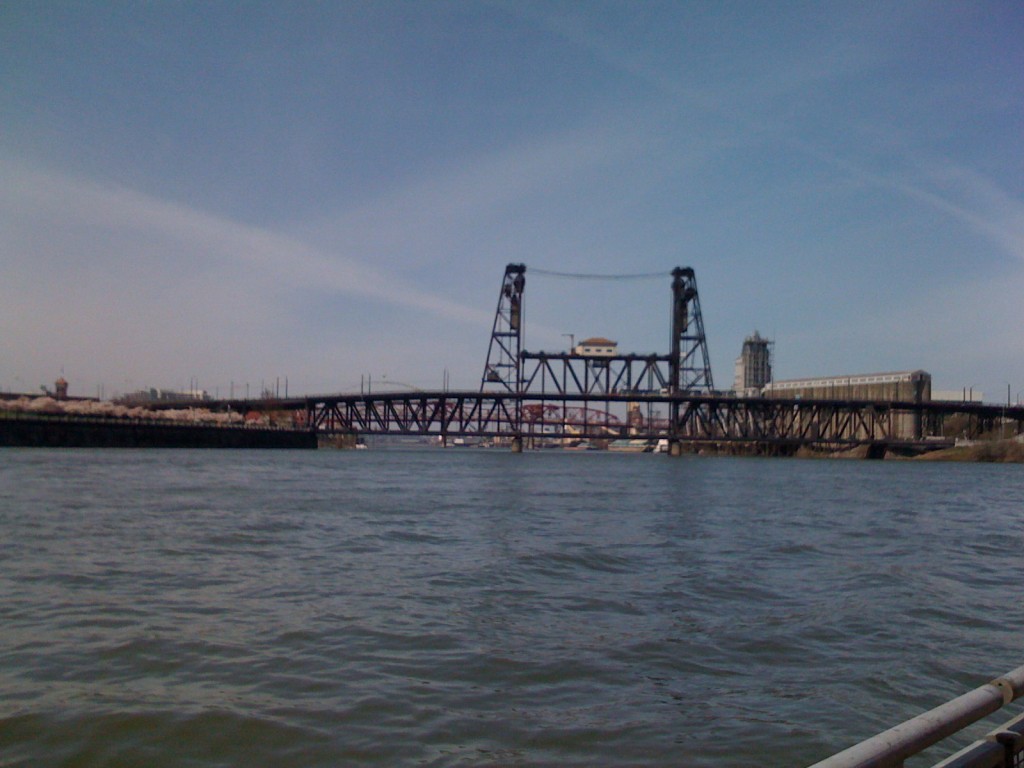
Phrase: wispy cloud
x=848 y=46
x=961 y=193
x=116 y=285
x=681 y=57
x=982 y=205
x=421 y=218
x=98 y=265
x=55 y=213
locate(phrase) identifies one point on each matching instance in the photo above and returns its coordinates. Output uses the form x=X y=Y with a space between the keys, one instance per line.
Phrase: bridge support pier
x=517 y=445
x=675 y=448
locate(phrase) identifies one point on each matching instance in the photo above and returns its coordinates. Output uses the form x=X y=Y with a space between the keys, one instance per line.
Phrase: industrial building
x=753 y=367
x=901 y=386
x=904 y=386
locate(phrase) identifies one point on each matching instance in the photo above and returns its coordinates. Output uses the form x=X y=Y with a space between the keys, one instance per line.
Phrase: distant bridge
x=744 y=424
x=529 y=398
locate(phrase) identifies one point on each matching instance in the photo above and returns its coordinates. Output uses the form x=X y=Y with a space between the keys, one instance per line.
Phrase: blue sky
x=243 y=192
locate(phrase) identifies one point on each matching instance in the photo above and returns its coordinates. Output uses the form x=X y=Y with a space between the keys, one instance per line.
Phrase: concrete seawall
x=64 y=431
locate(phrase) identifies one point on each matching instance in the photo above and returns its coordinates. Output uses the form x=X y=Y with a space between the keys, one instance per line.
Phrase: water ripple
x=479 y=608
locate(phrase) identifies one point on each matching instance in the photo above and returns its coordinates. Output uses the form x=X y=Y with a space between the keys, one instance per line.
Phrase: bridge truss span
x=441 y=414
x=566 y=373
x=795 y=422
x=771 y=424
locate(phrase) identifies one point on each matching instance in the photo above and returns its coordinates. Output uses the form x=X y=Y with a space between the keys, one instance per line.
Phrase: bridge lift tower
x=690 y=366
x=504 y=368
x=510 y=368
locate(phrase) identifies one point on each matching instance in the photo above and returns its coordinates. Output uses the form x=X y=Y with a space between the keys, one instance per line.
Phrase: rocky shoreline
x=1009 y=451
x=990 y=451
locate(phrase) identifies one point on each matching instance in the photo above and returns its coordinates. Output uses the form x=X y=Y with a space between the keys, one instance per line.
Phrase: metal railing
x=1002 y=747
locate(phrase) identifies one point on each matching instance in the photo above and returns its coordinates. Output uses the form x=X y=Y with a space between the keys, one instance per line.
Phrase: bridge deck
x=644 y=415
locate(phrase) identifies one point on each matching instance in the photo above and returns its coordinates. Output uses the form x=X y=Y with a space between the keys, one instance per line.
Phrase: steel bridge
x=726 y=423
x=536 y=399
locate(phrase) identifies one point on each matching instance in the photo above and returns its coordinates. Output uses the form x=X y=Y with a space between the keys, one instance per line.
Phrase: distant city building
x=597 y=347
x=60 y=389
x=753 y=366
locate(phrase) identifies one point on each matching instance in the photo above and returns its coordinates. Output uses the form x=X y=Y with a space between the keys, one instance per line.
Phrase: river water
x=475 y=607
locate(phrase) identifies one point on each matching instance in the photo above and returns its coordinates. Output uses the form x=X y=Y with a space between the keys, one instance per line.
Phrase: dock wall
x=72 y=432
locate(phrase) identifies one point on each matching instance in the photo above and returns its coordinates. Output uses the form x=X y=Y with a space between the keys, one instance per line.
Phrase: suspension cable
x=582 y=276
